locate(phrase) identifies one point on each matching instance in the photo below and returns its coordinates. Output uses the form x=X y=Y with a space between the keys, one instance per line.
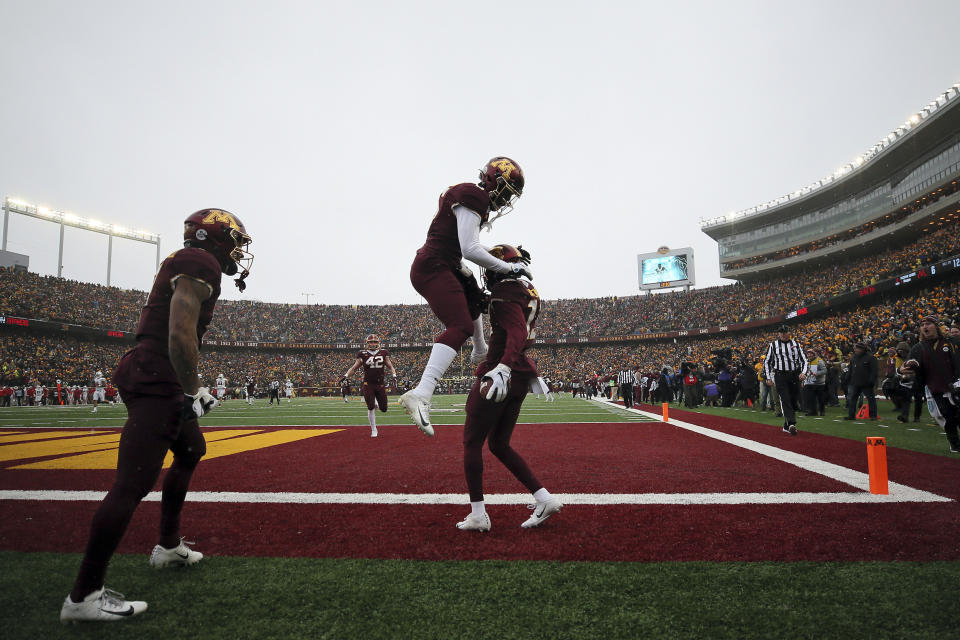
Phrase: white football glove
x=500 y=377
x=522 y=268
x=198 y=404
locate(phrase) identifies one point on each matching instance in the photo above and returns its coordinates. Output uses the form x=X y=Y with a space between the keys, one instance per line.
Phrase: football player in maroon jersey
x=443 y=279
x=159 y=386
x=373 y=359
x=503 y=381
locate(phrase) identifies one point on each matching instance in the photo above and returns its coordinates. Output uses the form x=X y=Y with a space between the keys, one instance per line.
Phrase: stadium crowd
x=48 y=298
x=31 y=358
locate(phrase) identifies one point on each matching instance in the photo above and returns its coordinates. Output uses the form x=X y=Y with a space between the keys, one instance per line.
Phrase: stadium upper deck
x=893 y=192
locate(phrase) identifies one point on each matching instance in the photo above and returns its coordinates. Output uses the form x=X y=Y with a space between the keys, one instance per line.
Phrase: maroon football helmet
x=507 y=253
x=502 y=179
x=373 y=342
x=222 y=234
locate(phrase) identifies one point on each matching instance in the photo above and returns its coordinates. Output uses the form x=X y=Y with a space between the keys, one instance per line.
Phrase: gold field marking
x=258 y=441
x=219 y=443
x=58 y=447
x=107 y=458
x=6 y=438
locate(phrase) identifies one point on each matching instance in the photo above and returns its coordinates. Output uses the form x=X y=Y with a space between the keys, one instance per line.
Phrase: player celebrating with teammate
x=441 y=277
x=503 y=381
x=373 y=359
x=158 y=382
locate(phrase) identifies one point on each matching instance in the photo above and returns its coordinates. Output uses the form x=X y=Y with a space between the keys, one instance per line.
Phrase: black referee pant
x=626 y=390
x=788 y=388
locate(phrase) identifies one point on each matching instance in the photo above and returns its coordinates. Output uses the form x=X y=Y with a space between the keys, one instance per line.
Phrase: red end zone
x=606 y=458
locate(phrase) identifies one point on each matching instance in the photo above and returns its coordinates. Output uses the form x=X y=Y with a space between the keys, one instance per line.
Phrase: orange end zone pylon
x=877 y=465
x=666 y=411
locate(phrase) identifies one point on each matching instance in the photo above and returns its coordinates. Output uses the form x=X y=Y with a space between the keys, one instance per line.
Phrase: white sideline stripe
x=856 y=479
x=901 y=494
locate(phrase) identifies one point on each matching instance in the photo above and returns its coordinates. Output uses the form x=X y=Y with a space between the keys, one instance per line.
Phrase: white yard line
x=853 y=478
x=901 y=494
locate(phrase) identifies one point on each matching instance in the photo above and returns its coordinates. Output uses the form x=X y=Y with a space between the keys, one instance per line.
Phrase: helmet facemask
x=240 y=259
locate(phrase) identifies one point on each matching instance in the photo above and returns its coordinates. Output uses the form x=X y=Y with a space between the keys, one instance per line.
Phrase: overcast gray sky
x=330 y=129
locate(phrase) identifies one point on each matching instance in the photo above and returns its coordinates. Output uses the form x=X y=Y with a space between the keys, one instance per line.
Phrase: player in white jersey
x=100 y=390
x=221 y=389
x=250 y=389
x=288 y=389
x=38 y=392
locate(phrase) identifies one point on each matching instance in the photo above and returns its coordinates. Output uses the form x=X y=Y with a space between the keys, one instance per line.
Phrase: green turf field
x=227 y=598
x=924 y=436
x=235 y=597
x=447 y=409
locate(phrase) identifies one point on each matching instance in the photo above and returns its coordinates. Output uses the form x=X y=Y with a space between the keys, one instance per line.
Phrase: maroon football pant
x=494 y=422
x=375 y=395
x=434 y=280
x=152 y=428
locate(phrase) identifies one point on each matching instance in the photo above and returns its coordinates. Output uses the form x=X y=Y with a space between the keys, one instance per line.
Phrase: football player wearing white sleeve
x=449 y=287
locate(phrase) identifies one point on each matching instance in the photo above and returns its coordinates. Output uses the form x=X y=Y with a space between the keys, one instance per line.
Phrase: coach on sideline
x=785 y=367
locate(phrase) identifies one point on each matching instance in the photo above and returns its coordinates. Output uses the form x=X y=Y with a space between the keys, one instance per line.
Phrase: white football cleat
x=373 y=434
x=542 y=511
x=476 y=357
x=475 y=523
x=179 y=556
x=102 y=605
x=418 y=408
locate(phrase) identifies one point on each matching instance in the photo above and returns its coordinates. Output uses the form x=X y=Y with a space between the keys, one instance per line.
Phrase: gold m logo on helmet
x=506 y=167
x=218 y=215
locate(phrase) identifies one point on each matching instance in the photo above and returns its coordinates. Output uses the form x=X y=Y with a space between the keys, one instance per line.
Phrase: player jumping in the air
x=373 y=359
x=439 y=274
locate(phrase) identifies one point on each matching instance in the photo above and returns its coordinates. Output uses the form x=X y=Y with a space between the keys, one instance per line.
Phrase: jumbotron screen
x=666 y=268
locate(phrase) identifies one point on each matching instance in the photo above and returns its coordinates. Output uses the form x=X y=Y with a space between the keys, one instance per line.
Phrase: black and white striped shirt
x=626 y=377
x=784 y=357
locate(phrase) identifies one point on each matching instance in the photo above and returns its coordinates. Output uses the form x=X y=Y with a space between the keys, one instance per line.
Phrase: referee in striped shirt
x=625 y=380
x=786 y=366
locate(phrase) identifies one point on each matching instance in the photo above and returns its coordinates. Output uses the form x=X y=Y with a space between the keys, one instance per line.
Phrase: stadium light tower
x=66 y=219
